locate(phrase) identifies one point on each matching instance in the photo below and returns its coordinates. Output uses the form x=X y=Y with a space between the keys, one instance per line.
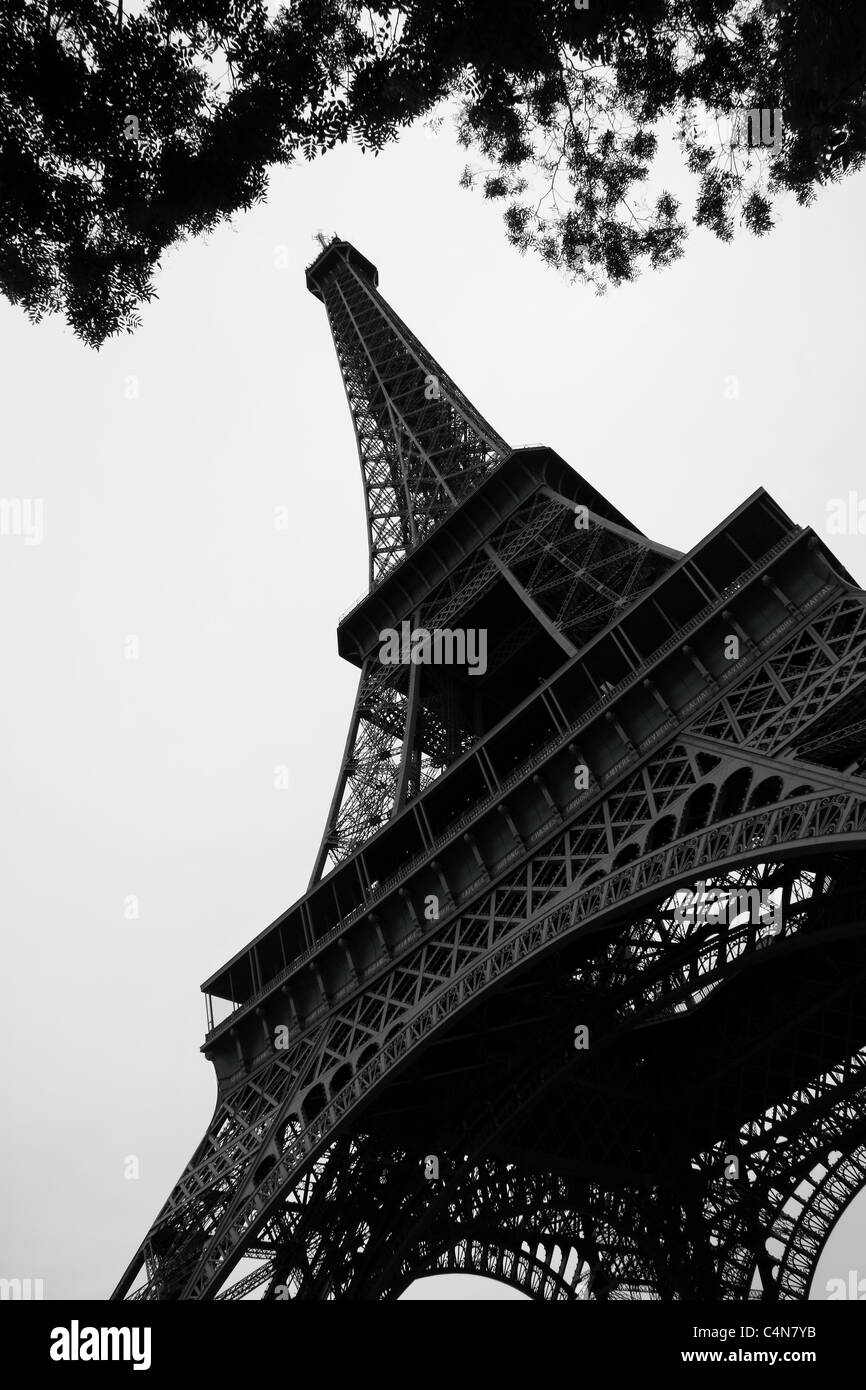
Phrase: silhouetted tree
x=121 y=134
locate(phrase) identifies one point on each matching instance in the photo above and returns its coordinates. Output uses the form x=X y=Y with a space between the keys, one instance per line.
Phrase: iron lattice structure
x=505 y=865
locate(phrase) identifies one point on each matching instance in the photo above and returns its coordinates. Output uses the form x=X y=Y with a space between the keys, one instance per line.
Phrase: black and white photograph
x=432 y=565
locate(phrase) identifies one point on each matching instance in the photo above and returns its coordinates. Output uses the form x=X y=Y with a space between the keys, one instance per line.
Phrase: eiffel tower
x=576 y=997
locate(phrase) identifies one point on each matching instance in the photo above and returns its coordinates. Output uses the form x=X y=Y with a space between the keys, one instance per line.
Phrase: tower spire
x=466 y=536
x=423 y=446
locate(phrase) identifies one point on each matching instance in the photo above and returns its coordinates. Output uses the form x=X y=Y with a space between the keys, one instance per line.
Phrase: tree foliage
x=121 y=134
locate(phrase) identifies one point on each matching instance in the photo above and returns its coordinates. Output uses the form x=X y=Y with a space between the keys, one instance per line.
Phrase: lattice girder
x=422 y=445
x=580 y=579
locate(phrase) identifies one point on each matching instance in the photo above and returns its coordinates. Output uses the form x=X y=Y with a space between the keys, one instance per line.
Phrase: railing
x=539 y=754
x=357 y=604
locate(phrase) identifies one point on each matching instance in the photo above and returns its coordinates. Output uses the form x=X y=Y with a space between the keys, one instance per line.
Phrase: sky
x=168 y=649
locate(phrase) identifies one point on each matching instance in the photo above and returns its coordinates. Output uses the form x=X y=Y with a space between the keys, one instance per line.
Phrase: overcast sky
x=160 y=462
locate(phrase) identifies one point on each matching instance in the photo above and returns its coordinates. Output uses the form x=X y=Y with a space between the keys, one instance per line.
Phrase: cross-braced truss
x=579 y=579
x=423 y=446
